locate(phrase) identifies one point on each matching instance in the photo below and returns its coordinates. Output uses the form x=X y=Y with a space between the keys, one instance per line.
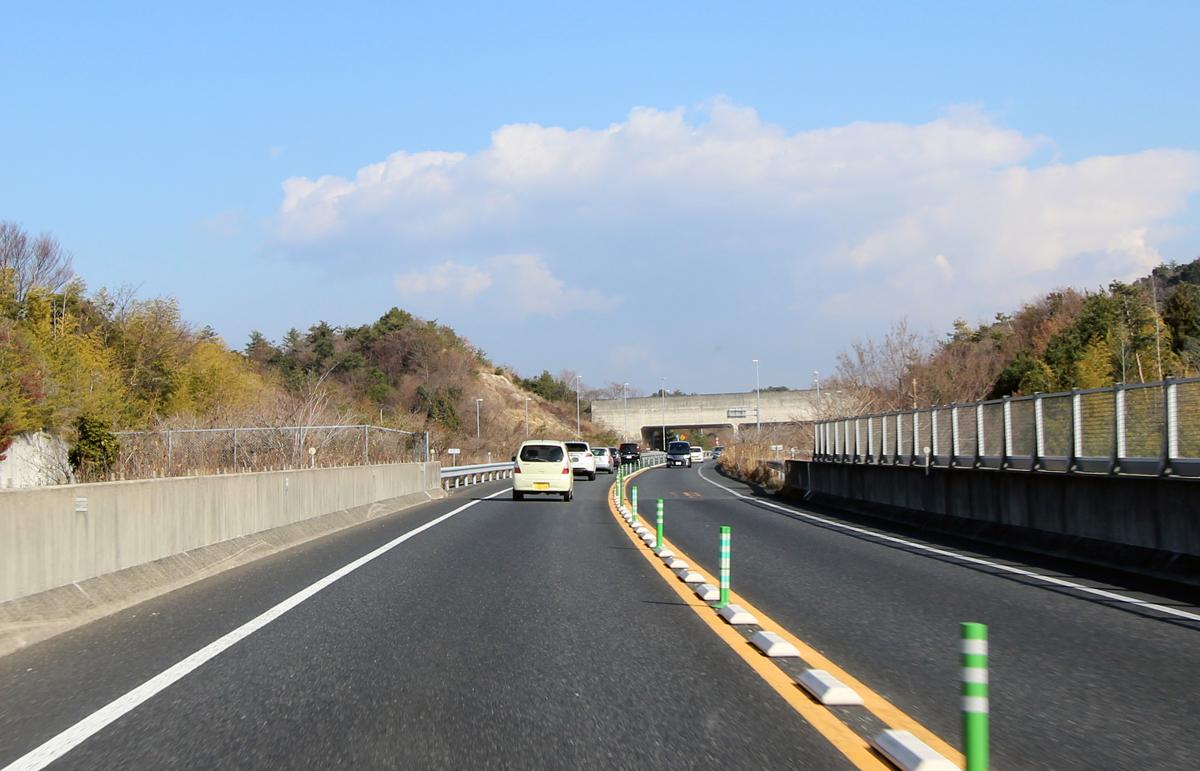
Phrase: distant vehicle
x=697 y=453
x=542 y=468
x=679 y=454
x=616 y=456
x=717 y=452
x=604 y=460
x=630 y=452
x=582 y=460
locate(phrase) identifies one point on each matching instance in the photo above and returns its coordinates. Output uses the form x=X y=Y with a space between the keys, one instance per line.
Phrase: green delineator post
x=658 y=543
x=724 y=560
x=975 y=695
x=635 y=504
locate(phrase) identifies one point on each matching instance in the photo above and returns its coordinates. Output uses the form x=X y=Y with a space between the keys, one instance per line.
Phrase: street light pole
x=757 y=401
x=663 y=391
x=477 y=403
x=625 y=400
x=577 y=429
x=817 y=378
x=527 y=416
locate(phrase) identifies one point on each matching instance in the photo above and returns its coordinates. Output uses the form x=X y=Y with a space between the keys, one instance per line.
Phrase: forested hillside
x=78 y=363
x=1127 y=333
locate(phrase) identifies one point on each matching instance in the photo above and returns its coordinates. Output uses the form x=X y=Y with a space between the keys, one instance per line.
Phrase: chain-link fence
x=1147 y=429
x=190 y=451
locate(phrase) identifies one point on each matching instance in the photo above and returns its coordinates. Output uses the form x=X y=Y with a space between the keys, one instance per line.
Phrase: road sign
x=776 y=447
x=454 y=451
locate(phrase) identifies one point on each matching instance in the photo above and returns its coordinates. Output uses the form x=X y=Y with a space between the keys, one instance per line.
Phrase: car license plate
x=541 y=485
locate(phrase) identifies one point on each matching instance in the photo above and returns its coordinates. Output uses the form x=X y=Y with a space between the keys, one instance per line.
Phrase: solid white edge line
x=59 y=745
x=964 y=558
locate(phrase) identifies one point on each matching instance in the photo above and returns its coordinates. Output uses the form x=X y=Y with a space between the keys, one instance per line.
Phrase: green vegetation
x=1128 y=333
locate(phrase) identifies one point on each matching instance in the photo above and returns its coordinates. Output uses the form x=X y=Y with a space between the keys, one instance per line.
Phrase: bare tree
x=876 y=375
x=33 y=262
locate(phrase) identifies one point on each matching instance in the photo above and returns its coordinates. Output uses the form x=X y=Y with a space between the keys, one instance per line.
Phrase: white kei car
x=541 y=467
x=582 y=460
x=605 y=460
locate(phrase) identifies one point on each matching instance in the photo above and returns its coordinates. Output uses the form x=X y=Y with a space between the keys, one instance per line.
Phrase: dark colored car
x=679 y=454
x=630 y=453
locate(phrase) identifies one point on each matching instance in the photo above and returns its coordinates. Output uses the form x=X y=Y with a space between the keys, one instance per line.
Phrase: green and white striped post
x=635 y=510
x=658 y=508
x=724 y=560
x=975 y=695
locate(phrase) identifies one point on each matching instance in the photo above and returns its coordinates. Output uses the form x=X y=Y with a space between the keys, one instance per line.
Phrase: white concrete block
x=828 y=689
x=909 y=753
x=641 y=530
x=674 y=563
x=707 y=592
x=690 y=576
x=649 y=538
x=774 y=646
x=665 y=553
x=737 y=615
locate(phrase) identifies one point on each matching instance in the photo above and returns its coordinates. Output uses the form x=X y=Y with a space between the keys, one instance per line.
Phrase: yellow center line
x=845 y=740
x=887 y=712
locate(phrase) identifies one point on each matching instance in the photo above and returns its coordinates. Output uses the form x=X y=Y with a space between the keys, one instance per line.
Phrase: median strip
x=845 y=739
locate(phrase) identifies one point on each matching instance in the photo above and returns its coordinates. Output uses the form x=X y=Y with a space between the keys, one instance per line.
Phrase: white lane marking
x=964 y=558
x=56 y=747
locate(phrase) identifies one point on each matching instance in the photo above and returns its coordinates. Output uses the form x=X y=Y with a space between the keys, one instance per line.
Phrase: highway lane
x=509 y=635
x=1076 y=683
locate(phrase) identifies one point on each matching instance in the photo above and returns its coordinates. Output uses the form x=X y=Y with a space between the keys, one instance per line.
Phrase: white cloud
x=523 y=284
x=462 y=281
x=957 y=216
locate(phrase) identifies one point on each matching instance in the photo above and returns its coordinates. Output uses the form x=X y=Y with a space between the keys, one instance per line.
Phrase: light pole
x=663 y=391
x=757 y=401
x=625 y=400
x=577 y=429
x=817 y=380
x=477 y=403
x=527 y=416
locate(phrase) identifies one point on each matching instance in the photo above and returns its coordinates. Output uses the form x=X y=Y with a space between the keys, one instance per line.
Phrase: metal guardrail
x=454 y=477
x=461 y=476
x=1148 y=429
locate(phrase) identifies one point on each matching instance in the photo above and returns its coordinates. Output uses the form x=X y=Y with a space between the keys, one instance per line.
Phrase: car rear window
x=577 y=446
x=629 y=447
x=541 y=453
x=678 y=447
x=599 y=451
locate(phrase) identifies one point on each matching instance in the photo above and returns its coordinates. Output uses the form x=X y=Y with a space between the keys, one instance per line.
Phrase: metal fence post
x=916 y=437
x=1005 y=431
x=235 y=449
x=858 y=453
x=883 y=438
x=170 y=453
x=1118 y=426
x=366 y=445
x=870 y=439
x=1170 y=425
x=1076 y=429
x=955 y=448
x=978 y=435
x=1038 y=438
x=933 y=433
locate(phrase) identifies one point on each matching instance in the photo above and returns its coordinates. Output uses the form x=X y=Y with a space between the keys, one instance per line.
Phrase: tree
x=32 y=262
x=95 y=448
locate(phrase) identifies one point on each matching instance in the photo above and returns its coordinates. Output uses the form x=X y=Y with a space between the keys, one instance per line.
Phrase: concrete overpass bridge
x=721 y=415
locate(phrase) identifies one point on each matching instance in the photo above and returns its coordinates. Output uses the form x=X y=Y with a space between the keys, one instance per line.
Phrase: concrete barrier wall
x=51 y=537
x=1146 y=525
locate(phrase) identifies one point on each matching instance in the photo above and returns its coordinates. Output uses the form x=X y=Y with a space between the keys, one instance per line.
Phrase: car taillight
x=566 y=470
x=516 y=469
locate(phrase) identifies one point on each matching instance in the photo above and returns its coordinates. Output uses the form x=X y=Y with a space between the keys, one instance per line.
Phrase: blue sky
x=796 y=175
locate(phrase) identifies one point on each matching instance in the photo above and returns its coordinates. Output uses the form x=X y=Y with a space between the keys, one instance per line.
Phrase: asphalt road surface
x=510 y=635
x=1077 y=681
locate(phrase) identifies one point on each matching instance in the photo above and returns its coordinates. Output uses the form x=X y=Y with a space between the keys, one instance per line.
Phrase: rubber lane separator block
x=649 y=539
x=736 y=615
x=909 y=753
x=664 y=553
x=689 y=576
x=674 y=563
x=828 y=690
x=708 y=592
x=774 y=646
